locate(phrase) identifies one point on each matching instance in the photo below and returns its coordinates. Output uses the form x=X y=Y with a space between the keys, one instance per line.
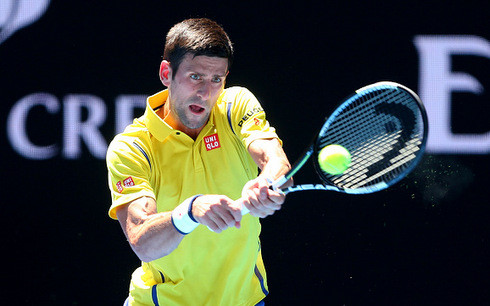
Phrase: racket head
x=384 y=127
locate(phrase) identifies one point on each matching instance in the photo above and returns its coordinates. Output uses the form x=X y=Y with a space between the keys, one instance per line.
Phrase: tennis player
x=195 y=150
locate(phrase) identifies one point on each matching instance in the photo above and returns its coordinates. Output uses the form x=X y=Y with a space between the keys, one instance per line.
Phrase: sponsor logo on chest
x=212 y=142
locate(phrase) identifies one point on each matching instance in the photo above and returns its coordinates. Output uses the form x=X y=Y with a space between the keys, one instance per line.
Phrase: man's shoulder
x=235 y=96
x=136 y=132
x=234 y=91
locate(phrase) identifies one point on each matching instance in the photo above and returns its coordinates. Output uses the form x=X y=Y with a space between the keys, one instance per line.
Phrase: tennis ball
x=334 y=159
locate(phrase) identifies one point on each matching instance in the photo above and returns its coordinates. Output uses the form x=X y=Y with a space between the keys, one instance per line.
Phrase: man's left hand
x=260 y=199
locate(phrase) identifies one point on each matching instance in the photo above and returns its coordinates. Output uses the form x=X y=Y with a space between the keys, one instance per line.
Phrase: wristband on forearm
x=182 y=218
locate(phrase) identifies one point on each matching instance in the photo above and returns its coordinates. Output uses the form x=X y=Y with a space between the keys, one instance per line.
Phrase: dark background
x=422 y=242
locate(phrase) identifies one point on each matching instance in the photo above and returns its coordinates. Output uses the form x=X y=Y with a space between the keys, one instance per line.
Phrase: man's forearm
x=151 y=235
x=270 y=157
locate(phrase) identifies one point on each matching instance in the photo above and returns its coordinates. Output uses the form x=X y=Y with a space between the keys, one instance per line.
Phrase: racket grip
x=279 y=182
x=244 y=209
x=274 y=186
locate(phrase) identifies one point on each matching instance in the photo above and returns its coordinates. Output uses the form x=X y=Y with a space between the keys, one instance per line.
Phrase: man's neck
x=166 y=116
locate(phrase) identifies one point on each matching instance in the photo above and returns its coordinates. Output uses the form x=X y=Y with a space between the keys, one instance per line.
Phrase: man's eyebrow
x=214 y=75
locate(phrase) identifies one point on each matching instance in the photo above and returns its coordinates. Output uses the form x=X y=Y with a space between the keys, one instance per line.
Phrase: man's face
x=194 y=90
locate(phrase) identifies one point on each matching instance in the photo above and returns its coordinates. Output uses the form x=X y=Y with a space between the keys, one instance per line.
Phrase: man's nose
x=204 y=91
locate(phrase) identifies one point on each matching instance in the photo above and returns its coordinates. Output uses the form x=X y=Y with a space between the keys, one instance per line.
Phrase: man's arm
x=273 y=162
x=152 y=235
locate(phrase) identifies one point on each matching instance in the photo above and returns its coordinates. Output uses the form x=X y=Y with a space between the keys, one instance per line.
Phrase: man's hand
x=218 y=212
x=260 y=200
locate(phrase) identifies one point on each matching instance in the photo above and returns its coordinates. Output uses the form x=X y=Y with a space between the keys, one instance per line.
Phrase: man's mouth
x=196 y=109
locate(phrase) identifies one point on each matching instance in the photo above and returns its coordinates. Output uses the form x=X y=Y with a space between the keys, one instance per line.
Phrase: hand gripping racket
x=383 y=126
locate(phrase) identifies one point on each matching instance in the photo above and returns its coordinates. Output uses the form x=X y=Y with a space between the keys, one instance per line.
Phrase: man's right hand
x=218 y=212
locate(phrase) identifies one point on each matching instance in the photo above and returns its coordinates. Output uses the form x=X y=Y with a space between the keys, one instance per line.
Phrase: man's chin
x=193 y=125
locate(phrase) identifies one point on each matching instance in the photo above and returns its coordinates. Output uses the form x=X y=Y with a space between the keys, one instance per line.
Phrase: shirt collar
x=156 y=125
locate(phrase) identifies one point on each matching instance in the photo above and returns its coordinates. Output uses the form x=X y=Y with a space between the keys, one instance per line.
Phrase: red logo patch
x=256 y=121
x=128 y=182
x=119 y=187
x=211 y=142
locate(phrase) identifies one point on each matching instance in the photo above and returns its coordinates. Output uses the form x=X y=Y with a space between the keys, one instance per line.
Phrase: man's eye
x=216 y=80
x=195 y=77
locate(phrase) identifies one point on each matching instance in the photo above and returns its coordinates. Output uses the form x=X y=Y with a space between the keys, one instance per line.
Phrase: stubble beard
x=189 y=120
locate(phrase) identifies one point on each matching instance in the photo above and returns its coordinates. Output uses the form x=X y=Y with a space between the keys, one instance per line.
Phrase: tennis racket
x=383 y=126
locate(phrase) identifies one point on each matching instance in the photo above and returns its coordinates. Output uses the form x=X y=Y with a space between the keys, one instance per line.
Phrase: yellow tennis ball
x=334 y=159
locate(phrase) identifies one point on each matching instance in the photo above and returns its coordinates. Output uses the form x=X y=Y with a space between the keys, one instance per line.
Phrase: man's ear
x=165 y=73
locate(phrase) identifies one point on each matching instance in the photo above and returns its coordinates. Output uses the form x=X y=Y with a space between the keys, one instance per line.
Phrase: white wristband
x=182 y=218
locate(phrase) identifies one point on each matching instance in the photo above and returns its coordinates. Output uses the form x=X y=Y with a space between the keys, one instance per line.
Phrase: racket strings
x=382 y=129
x=358 y=174
x=397 y=166
x=356 y=114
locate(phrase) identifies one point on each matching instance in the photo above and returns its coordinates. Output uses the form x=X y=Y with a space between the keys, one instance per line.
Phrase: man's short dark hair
x=196 y=36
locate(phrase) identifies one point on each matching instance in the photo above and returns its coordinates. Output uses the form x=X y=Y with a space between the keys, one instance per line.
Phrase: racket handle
x=244 y=209
x=279 y=182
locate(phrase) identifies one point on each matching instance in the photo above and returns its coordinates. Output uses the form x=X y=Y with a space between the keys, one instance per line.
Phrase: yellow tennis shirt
x=152 y=159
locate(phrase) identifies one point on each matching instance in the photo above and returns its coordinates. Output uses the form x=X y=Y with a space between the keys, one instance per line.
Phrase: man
x=183 y=163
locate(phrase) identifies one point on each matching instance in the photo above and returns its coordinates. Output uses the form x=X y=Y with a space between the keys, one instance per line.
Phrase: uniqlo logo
x=211 y=142
x=128 y=182
x=119 y=187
